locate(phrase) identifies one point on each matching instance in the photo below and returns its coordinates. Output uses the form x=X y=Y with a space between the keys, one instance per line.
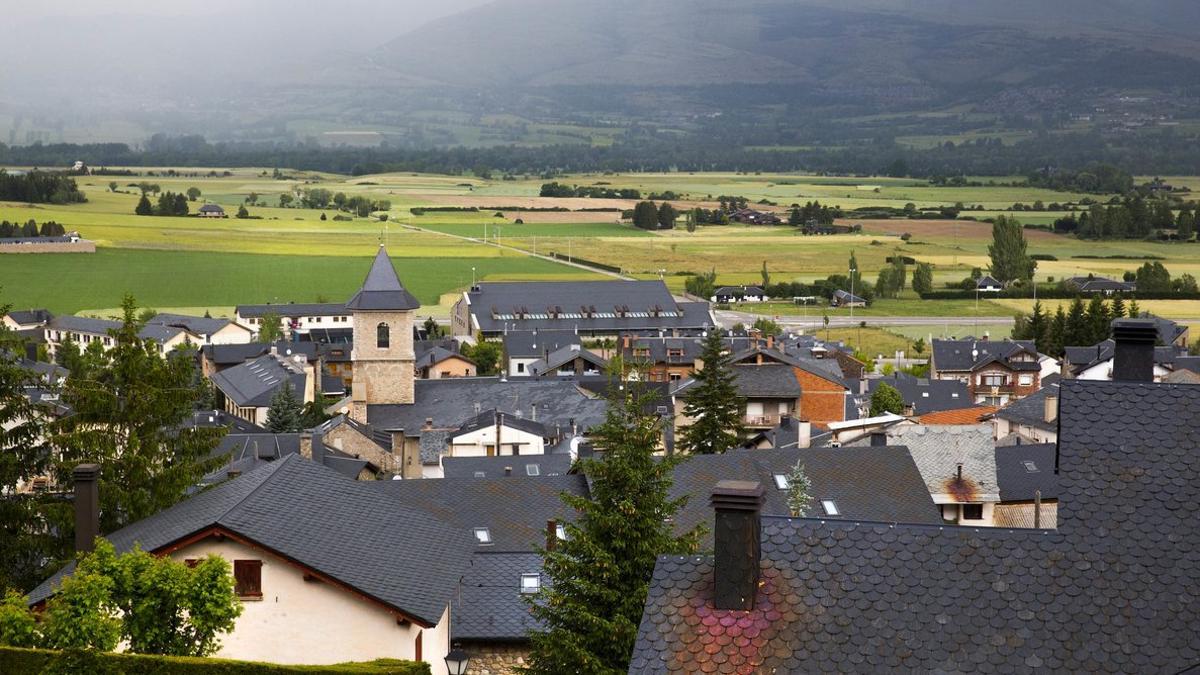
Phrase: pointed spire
x=382 y=290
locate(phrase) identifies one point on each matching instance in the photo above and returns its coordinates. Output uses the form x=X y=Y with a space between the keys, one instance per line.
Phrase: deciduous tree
x=1010 y=259
x=886 y=399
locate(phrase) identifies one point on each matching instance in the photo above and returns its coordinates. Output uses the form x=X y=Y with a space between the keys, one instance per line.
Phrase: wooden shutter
x=418 y=648
x=247 y=576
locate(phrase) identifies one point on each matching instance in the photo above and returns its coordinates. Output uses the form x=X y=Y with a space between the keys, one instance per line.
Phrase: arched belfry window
x=382 y=336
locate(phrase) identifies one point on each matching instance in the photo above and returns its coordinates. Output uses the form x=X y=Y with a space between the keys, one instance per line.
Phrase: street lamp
x=457 y=661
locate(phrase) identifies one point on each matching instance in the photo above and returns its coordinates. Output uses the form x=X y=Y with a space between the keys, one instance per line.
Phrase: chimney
x=737 y=543
x=551 y=534
x=804 y=435
x=1050 y=412
x=306 y=444
x=87 y=506
x=508 y=471
x=878 y=439
x=1133 y=360
x=770 y=342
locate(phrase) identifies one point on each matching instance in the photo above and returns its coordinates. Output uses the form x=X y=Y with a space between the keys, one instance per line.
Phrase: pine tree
x=1010 y=260
x=798 y=497
x=886 y=399
x=1038 y=328
x=766 y=276
x=600 y=573
x=144 y=208
x=1118 y=307
x=1056 y=333
x=712 y=402
x=286 y=414
x=1185 y=223
x=1077 y=331
x=1098 y=320
x=1134 y=310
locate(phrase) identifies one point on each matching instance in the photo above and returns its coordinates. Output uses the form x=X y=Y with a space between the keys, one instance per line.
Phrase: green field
x=292 y=252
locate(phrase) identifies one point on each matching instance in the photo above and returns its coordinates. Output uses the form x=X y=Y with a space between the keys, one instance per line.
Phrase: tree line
x=591 y=191
x=1080 y=325
x=1133 y=217
x=39 y=187
x=30 y=229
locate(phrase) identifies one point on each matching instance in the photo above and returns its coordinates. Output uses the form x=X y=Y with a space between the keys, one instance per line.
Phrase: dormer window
x=383 y=338
x=483 y=536
x=530 y=583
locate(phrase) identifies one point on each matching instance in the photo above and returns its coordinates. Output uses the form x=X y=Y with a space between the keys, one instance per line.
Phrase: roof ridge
x=269 y=470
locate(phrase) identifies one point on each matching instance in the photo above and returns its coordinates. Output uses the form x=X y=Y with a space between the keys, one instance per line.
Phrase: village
x=962 y=515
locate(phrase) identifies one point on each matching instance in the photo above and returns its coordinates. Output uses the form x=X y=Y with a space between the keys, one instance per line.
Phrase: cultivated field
x=292 y=254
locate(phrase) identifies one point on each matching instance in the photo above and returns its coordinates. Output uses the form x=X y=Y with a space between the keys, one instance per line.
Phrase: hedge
x=14 y=660
x=1051 y=294
x=585 y=262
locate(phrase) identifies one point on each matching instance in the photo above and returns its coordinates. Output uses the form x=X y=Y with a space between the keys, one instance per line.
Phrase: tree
x=1118 y=307
x=919 y=346
x=887 y=286
x=1076 y=331
x=82 y=614
x=1039 y=326
x=922 y=280
x=1056 y=335
x=1186 y=283
x=112 y=186
x=886 y=399
x=702 y=285
x=1153 y=278
x=1098 y=320
x=433 y=329
x=645 y=216
x=899 y=271
x=855 y=276
x=1185 y=224
x=242 y=212
x=768 y=327
x=270 y=328
x=1134 y=310
x=18 y=627
x=486 y=356
x=712 y=402
x=193 y=193
x=798 y=497
x=666 y=216
x=286 y=413
x=766 y=276
x=600 y=573
x=144 y=207
x=1010 y=260
x=285 y=200
x=132 y=412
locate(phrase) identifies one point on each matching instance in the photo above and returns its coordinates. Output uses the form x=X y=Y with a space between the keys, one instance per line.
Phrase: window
x=483 y=536
x=1025 y=380
x=480 y=474
x=1030 y=466
x=247 y=578
x=992 y=380
x=520 y=367
x=382 y=336
x=560 y=531
x=530 y=583
x=533 y=470
x=830 y=507
x=781 y=481
x=972 y=511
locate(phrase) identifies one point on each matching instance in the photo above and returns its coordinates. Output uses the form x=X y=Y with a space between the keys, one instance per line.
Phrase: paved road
x=729 y=318
x=522 y=251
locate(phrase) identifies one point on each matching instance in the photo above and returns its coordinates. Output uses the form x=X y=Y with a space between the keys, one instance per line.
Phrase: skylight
x=483 y=536
x=560 y=531
x=1030 y=466
x=830 y=507
x=533 y=470
x=781 y=481
x=480 y=474
x=530 y=583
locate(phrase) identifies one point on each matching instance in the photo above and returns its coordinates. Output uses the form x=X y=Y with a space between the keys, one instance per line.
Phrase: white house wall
x=310 y=622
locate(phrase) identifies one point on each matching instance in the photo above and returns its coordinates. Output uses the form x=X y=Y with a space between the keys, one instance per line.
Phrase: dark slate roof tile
x=490 y=605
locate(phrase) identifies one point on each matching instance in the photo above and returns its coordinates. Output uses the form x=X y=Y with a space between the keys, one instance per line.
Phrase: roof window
x=830 y=507
x=483 y=536
x=781 y=481
x=530 y=583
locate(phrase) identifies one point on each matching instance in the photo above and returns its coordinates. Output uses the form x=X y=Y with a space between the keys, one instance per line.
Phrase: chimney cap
x=738 y=495
x=1135 y=330
x=84 y=472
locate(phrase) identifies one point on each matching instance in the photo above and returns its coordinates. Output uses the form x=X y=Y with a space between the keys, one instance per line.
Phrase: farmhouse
x=988 y=284
x=591 y=308
x=211 y=211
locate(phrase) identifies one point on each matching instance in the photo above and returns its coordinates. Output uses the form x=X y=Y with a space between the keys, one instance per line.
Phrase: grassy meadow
x=291 y=254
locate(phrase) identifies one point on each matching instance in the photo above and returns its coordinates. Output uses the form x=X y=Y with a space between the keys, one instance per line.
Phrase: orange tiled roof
x=959 y=416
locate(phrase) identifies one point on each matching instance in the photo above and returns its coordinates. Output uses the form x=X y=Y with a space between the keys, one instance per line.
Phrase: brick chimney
x=737 y=543
x=87 y=506
x=1133 y=359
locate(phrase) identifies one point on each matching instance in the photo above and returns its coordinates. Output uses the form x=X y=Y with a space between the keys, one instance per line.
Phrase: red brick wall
x=821 y=401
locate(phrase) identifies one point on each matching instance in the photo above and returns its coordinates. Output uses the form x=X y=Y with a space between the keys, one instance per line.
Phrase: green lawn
x=509 y=230
x=72 y=282
x=885 y=307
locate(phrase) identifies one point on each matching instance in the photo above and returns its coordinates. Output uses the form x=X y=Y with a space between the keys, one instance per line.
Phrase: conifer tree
x=1118 y=307
x=1098 y=320
x=600 y=573
x=144 y=207
x=286 y=414
x=1038 y=327
x=712 y=402
x=798 y=497
x=1134 y=310
x=1058 y=329
x=1077 y=330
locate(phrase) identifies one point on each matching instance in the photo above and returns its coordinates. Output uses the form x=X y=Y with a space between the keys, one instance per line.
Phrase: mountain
x=839 y=43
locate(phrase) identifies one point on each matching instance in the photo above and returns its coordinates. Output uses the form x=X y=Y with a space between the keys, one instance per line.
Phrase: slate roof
x=513 y=508
x=563 y=356
x=769 y=380
x=382 y=290
x=658 y=346
x=1031 y=410
x=490 y=606
x=955 y=355
x=220 y=418
x=527 y=305
x=558 y=464
x=926 y=395
x=1112 y=590
x=344 y=529
x=230 y=355
x=451 y=401
x=83 y=324
x=1082 y=358
x=537 y=343
x=293 y=309
x=826 y=368
x=246 y=452
x=211 y=208
x=1023 y=469
x=938 y=451
x=869 y=483
x=489 y=418
x=252 y=384
x=432 y=357
x=29 y=317
x=988 y=282
x=202 y=326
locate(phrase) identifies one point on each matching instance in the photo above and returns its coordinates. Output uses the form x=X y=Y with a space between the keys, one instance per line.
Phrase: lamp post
x=457 y=661
x=853 y=271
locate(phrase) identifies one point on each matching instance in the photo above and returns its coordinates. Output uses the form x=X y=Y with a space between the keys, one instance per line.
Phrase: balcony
x=760 y=421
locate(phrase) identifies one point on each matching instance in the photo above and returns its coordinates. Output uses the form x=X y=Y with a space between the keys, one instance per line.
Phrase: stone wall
x=496 y=658
x=347 y=439
x=383 y=382
x=82 y=246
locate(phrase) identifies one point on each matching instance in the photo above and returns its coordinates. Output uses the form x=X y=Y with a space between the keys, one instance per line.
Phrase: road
x=728 y=318
x=522 y=251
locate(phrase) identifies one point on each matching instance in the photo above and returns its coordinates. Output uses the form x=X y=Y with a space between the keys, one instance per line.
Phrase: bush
x=14 y=660
x=1042 y=256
